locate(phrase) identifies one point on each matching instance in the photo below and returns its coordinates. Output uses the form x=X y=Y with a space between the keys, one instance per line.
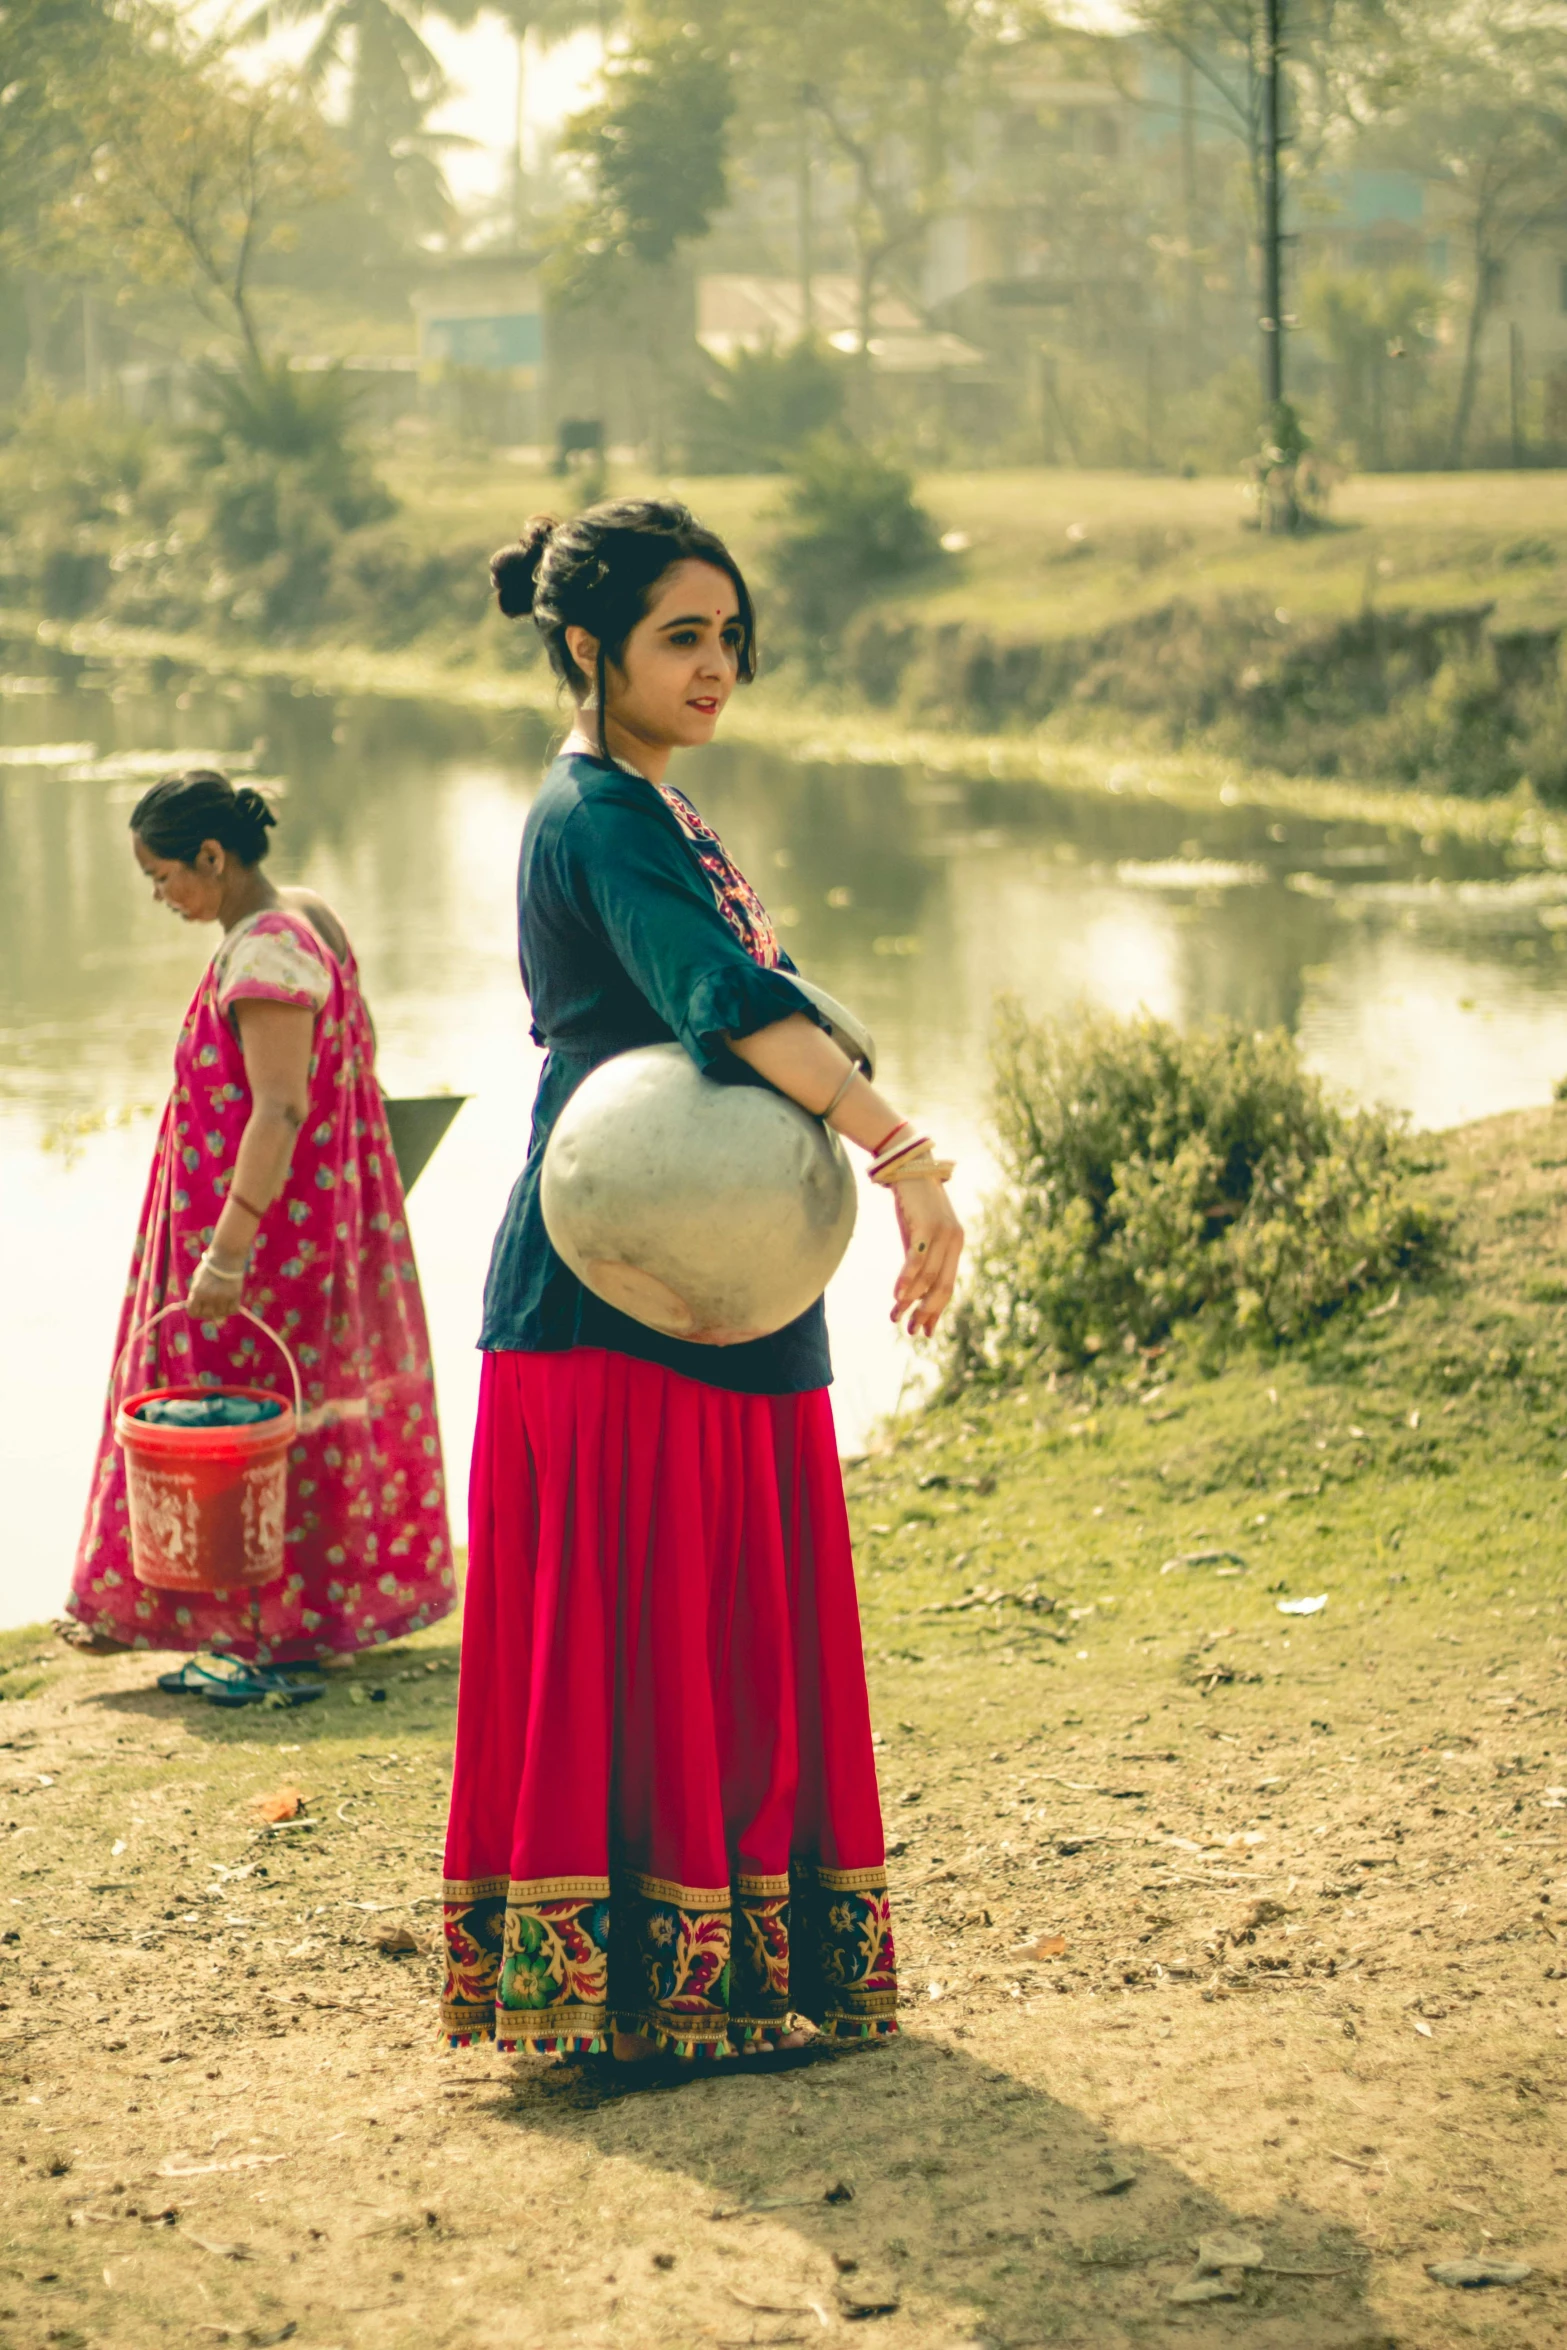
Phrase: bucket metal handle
x=179 y=1306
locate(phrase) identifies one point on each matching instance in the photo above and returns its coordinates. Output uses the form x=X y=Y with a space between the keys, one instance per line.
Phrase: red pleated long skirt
x=664 y=1810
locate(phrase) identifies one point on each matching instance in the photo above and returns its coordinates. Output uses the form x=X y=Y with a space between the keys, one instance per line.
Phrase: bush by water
x=848 y=524
x=1444 y=699
x=1154 y=1178
x=266 y=518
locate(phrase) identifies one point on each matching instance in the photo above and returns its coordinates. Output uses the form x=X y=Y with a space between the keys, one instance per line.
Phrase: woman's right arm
x=660 y=920
x=802 y=1061
x=276 y=1040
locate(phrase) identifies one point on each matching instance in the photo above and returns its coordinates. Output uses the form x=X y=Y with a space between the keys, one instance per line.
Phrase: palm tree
x=395 y=81
x=546 y=23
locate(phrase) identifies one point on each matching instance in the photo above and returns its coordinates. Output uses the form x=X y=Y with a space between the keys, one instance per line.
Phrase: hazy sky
x=482 y=64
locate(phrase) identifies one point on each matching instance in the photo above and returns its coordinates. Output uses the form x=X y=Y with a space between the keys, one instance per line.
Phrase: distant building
x=746 y=313
x=483 y=313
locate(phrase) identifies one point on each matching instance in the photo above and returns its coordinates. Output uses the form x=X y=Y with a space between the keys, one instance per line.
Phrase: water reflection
x=1420 y=973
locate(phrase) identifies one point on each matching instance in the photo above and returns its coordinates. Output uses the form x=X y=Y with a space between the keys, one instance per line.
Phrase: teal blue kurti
x=622 y=943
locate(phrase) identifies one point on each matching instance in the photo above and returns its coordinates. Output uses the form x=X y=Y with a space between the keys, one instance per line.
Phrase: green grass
x=1262 y=1912
x=1412 y=1455
x=1133 y=613
x=1416 y=540
x=1160 y=645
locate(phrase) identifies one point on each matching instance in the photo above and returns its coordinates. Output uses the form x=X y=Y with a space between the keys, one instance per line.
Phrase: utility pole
x=805 y=250
x=1189 y=223
x=1272 y=204
x=519 y=164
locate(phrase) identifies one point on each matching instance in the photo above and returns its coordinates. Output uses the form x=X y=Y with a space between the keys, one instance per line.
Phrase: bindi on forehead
x=695 y=619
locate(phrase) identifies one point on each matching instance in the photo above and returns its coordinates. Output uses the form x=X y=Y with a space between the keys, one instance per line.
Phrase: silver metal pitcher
x=714 y=1213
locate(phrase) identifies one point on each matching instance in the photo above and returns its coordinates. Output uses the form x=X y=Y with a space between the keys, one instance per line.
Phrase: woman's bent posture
x=274 y=1185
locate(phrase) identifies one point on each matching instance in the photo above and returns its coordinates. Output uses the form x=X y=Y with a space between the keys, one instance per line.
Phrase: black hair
x=598 y=571
x=178 y=814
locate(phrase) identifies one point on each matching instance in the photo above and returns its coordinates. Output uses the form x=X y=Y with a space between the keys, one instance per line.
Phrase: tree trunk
x=36 y=310
x=1469 y=380
x=657 y=351
x=864 y=399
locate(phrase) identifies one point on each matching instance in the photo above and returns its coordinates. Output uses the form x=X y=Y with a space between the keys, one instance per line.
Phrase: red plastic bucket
x=207 y=1505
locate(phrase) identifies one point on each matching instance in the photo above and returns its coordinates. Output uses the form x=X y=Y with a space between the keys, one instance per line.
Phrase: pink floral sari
x=369 y=1553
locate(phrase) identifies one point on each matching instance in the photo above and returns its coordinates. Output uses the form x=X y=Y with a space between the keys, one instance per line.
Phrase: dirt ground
x=232 y=2120
x=1214 y=1922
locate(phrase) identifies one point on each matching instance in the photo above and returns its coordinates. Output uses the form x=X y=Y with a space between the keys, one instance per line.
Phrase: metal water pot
x=714 y=1213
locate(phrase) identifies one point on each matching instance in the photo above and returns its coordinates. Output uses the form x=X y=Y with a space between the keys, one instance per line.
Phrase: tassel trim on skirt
x=664 y=1810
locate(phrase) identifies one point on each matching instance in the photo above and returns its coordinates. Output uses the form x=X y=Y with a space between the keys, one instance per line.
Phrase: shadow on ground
x=977 y=2196
x=420 y=1683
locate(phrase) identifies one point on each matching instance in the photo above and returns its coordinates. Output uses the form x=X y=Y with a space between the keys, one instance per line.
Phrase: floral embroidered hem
x=664 y=1809
x=553 y=1967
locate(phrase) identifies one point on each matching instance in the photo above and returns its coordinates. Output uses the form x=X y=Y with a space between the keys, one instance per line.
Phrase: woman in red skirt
x=665 y=1831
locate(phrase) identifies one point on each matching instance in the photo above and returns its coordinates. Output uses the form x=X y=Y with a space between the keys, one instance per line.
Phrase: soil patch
x=1234 y=1941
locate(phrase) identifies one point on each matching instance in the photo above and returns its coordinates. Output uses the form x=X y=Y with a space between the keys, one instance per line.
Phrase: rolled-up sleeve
x=630 y=866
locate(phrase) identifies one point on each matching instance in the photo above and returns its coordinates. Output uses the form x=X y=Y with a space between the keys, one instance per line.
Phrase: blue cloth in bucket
x=207 y=1411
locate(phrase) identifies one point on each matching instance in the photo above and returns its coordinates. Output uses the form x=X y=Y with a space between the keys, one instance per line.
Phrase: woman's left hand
x=210 y=1299
x=932 y=1245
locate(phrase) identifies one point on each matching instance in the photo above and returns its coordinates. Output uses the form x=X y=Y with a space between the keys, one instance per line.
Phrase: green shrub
x=75 y=483
x=760 y=407
x=1154 y=1179
x=78 y=462
x=848 y=521
x=282 y=478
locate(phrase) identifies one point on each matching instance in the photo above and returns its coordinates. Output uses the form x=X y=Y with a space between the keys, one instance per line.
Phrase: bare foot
x=632 y=2047
x=87 y=1643
x=785 y=2041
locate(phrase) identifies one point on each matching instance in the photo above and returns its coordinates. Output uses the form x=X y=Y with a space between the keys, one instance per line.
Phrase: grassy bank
x=775 y=716
x=1415 y=639
x=1412 y=644
x=1210 y=1917
x=1053 y=553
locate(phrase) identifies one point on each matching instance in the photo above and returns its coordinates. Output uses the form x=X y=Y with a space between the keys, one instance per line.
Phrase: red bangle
x=878 y=1147
x=907 y=1150
x=237 y=1200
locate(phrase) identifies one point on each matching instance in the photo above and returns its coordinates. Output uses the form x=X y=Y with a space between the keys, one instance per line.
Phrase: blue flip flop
x=264 y=1683
x=195 y=1679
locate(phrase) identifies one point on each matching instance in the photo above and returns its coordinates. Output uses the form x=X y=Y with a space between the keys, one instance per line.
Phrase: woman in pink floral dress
x=274 y=1185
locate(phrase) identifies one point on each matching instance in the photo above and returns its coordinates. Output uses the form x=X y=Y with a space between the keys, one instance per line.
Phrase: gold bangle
x=924 y=1167
x=850 y=1075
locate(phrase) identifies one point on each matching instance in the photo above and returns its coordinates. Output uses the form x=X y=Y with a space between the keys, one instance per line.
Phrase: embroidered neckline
x=733 y=894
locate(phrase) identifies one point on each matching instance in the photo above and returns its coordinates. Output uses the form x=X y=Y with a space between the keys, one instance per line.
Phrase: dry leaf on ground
x=1220 y=2288
x=859 y=2296
x=196 y=2170
x=1115 y=2175
x=1223 y=2250
x=283 y=1803
x=398 y=1942
x=1047 y=1946
x=1479 y=2272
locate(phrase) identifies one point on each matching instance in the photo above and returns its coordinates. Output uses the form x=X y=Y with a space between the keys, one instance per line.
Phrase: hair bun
x=514 y=570
x=252 y=806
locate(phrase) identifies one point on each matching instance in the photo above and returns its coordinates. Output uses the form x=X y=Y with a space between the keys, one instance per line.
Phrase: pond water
x=1429 y=974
